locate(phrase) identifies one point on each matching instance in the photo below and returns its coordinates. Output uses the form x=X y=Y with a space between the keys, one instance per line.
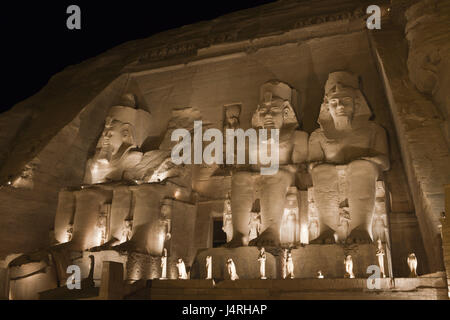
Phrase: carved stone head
x=340 y=98
x=343 y=101
x=116 y=134
x=232 y=114
x=125 y=129
x=125 y=125
x=275 y=109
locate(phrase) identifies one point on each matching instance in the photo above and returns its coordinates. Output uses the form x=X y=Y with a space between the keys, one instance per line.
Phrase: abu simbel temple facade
x=95 y=203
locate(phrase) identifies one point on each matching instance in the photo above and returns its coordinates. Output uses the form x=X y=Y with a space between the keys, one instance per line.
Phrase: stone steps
x=426 y=294
x=427 y=288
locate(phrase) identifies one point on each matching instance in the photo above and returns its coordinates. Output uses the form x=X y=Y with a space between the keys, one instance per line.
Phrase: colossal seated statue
x=275 y=111
x=125 y=130
x=135 y=220
x=347 y=156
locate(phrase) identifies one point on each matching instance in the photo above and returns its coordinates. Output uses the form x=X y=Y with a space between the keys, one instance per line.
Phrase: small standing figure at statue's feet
x=228 y=219
x=412 y=264
x=164 y=265
x=209 y=268
x=182 y=274
x=262 y=263
x=349 y=267
x=254 y=226
x=380 y=255
x=284 y=264
x=101 y=226
x=232 y=270
x=127 y=230
x=320 y=275
x=69 y=232
x=290 y=266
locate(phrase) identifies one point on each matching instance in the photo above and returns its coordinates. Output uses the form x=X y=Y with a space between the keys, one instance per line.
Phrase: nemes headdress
x=139 y=120
x=339 y=84
x=276 y=89
x=233 y=110
x=339 y=81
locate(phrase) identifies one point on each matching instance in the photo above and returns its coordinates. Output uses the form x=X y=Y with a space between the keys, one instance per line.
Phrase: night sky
x=36 y=43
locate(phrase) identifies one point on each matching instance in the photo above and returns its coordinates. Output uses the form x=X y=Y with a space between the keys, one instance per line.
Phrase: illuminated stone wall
x=418 y=122
x=214 y=66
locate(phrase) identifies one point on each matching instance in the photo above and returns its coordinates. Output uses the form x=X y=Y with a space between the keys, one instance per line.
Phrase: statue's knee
x=242 y=179
x=281 y=178
x=323 y=169
x=324 y=172
x=363 y=168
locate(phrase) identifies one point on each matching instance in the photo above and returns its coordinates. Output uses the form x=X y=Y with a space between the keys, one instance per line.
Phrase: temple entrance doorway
x=219 y=238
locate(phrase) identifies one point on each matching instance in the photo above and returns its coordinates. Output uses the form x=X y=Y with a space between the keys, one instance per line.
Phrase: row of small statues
x=101 y=227
x=288 y=266
x=127 y=228
x=290 y=233
x=255 y=223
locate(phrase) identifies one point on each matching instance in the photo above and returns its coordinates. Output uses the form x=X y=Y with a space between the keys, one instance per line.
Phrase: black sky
x=36 y=43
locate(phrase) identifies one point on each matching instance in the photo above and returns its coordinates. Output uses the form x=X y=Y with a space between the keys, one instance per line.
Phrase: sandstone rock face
x=418 y=120
x=427 y=28
x=213 y=72
x=125 y=131
x=67 y=149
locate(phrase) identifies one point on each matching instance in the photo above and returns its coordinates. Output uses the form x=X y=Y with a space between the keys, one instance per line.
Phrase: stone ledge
x=387 y=284
x=188 y=284
x=233 y=294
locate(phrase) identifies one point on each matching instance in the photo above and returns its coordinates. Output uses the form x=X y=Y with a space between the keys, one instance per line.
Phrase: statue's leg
x=272 y=192
x=378 y=230
x=273 y=197
x=326 y=196
x=242 y=189
x=362 y=177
